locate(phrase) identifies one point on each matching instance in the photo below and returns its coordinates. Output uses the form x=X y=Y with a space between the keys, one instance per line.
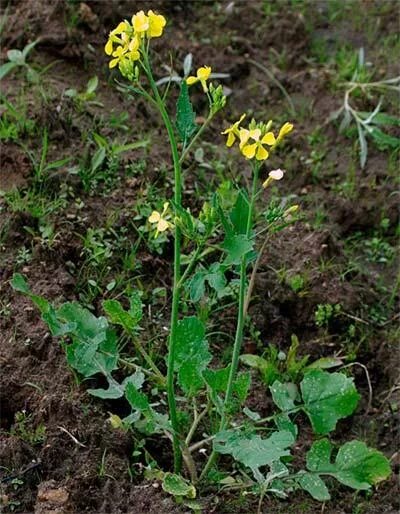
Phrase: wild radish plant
x=214 y=252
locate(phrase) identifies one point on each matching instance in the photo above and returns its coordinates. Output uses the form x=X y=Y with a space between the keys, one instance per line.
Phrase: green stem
x=177 y=269
x=240 y=321
x=198 y=134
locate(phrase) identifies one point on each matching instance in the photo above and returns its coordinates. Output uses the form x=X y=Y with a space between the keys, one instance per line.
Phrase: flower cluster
x=124 y=42
x=257 y=140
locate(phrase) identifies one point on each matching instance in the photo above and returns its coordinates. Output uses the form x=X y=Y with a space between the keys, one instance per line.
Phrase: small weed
x=23 y=429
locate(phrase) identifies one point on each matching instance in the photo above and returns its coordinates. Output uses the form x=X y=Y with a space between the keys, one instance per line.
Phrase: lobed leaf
x=250 y=449
x=327 y=397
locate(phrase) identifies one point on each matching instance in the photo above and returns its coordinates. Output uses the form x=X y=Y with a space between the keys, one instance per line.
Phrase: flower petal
x=276 y=174
x=109 y=47
x=191 y=80
x=230 y=140
x=203 y=73
x=113 y=63
x=262 y=153
x=268 y=139
x=154 y=217
x=249 y=150
x=255 y=134
x=140 y=22
x=244 y=136
x=162 y=225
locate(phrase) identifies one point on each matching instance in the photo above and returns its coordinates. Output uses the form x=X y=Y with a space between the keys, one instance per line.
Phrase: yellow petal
x=203 y=73
x=191 y=80
x=133 y=44
x=154 y=217
x=140 y=22
x=157 y=23
x=268 y=139
x=113 y=63
x=255 y=134
x=249 y=150
x=109 y=47
x=231 y=139
x=244 y=136
x=122 y=27
x=134 y=56
x=162 y=225
x=262 y=153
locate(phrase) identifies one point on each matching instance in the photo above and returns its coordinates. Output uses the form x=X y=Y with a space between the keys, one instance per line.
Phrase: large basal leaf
x=119 y=316
x=315 y=486
x=191 y=354
x=284 y=395
x=251 y=450
x=116 y=390
x=355 y=466
x=185 y=115
x=327 y=397
x=88 y=328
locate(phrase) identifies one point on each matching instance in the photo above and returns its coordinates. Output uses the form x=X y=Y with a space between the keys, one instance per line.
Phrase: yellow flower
x=202 y=75
x=113 y=37
x=157 y=23
x=285 y=129
x=273 y=175
x=255 y=149
x=140 y=23
x=159 y=219
x=233 y=131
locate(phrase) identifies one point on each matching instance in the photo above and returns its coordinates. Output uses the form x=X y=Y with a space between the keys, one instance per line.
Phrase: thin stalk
x=177 y=269
x=198 y=134
x=240 y=321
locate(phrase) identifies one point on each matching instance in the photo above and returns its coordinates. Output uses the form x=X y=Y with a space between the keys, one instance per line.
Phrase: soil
x=79 y=464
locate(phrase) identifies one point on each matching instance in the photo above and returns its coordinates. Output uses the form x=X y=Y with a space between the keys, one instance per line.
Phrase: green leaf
x=116 y=390
x=137 y=400
x=19 y=283
x=88 y=327
x=315 y=486
x=119 y=316
x=6 y=68
x=236 y=246
x=327 y=398
x=92 y=85
x=98 y=158
x=385 y=141
x=241 y=386
x=325 y=363
x=192 y=355
x=196 y=286
x=16 y=56
x=217 y=379
x=284 y=395
x=178 y=486
x=185 y=115
x=113 y=392
x=240 y=213
x=355 y=466
x=250 y=449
